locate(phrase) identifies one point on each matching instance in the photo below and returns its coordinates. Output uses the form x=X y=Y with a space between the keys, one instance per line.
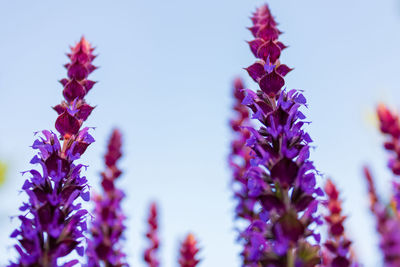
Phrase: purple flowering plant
x=53 y=223
x=107 y=228
x=279 y=203
x=280 y=178
x=150 y=254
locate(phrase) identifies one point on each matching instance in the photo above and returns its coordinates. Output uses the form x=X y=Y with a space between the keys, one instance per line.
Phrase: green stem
x=290 y=257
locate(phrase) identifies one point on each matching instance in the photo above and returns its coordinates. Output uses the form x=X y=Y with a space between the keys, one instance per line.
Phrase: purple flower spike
x=281 y=178
x=387 y=224
x=150 y=254
x=54 y=223
x=239 y=159
x=390 y=127
x=338 y=247
x=104 y=247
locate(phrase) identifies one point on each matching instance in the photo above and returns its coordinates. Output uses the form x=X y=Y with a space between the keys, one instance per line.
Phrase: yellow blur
x=3 y=170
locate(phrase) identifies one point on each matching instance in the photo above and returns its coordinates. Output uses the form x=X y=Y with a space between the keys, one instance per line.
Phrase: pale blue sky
x=165 y=76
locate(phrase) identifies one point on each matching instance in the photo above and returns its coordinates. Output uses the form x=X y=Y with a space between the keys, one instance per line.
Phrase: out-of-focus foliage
x=3 y=171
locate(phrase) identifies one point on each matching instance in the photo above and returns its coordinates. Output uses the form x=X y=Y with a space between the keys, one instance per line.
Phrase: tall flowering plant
x=104 y=246
x=337 y=251
x=387 y=215
x=281 y=178
x=390 y=127
x=239 y=160
x=150 y=254
x=53 y=223
x=387 y=224
x=239 y=157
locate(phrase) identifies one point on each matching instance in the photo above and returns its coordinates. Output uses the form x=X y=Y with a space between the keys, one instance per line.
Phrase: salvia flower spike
x=107 y=229
x=150 y=254
x=54 y=222
x=188 y=252
x=338 y=247
x=387 y=224
x=390 y=127
x=239 y=158
x=281 y=176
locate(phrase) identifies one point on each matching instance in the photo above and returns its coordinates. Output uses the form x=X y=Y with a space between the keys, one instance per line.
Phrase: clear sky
x=165 y=79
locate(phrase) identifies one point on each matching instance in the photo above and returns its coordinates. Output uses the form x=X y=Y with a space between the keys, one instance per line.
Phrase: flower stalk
x=54 y=222
x=281 y=177
x=239 y=158
x=390 y=127
x=338 y=246
x=239 y=161
x=387 y=224
x=104 y=247
x=150 y=255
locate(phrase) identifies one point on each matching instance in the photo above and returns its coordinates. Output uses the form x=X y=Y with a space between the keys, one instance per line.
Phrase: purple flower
x=245 y=190
x=150 y=254
x=281 y=178
x=390 y=127
x=54 y=222
x=387 y=224
x=104 y=246
x=338 y=247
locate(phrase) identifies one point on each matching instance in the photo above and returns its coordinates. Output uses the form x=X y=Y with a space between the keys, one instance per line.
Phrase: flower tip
x=84 y=43
x=190 y=239
x=188 y=252
x=238 y=83
x=331 y=189
x=114 y=148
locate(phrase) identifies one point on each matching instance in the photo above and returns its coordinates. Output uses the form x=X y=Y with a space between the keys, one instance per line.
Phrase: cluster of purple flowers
x=387 y=215
x=337 y=251
x=54 y=223
x=107 y=227
x=387 y=224
x=280 y=177
x=274 y=180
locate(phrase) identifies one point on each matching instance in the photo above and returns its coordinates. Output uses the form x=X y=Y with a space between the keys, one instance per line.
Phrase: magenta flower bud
x=105 y=246
x=188 y=252
x=54 y=221
x=281 y=177
x=337 y=247
x=150 y=255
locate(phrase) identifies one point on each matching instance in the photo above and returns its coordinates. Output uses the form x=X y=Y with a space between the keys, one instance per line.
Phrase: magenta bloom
x=390 y=127
x=387 y=225
x=338 y=246
x=105 y=246
x=281 y=176
x=188 y=252
x=54 y=222
x=150 y=254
